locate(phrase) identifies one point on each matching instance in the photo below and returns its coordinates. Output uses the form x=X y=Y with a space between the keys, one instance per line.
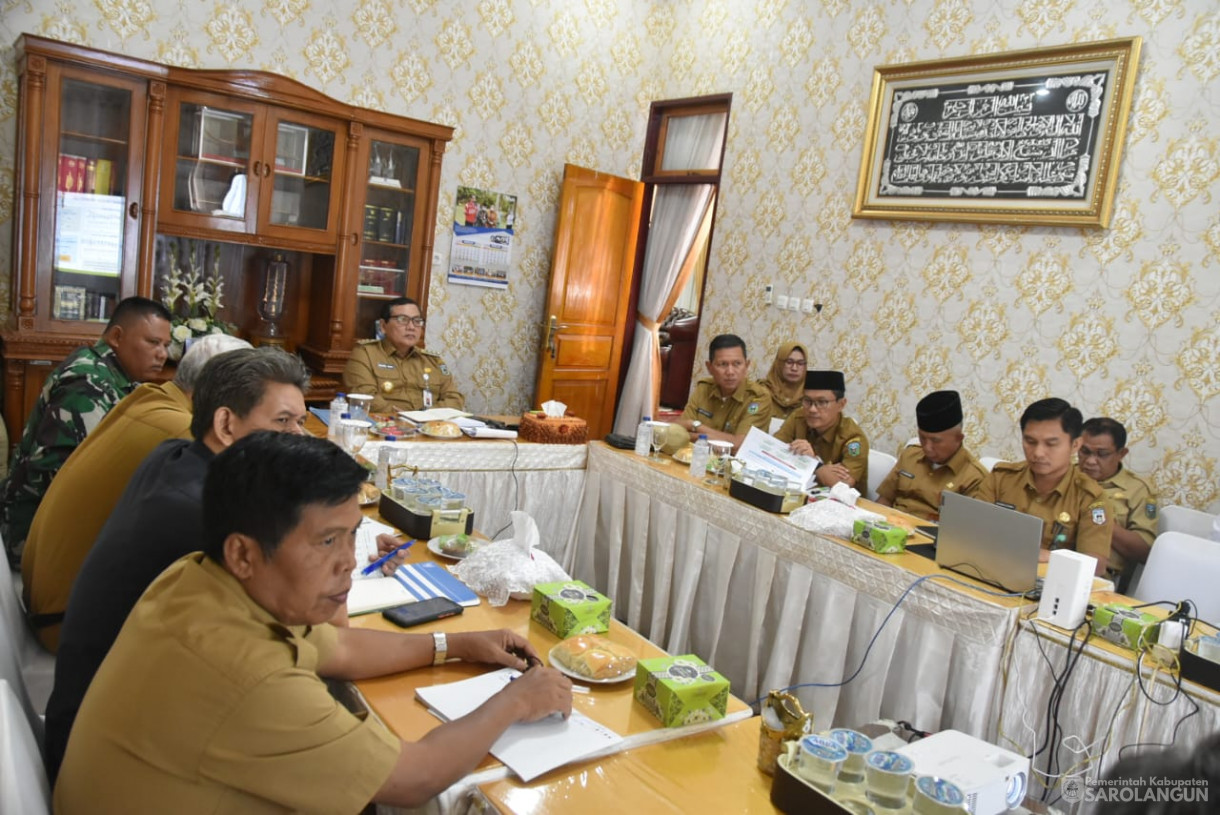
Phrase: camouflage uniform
x=75 y=398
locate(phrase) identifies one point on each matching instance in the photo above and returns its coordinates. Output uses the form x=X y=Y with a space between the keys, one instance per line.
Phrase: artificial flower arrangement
x=194 y=298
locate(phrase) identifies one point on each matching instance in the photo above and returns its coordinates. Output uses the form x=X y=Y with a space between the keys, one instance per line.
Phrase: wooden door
x=586 y=310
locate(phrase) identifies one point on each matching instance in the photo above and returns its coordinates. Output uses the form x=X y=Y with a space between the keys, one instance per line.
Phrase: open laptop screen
x=988 y=542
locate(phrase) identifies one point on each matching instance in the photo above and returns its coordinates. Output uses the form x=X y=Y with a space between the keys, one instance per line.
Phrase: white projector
x=993 y=780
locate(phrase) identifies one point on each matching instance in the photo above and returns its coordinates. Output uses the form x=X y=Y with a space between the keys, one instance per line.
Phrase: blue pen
x=381 y=561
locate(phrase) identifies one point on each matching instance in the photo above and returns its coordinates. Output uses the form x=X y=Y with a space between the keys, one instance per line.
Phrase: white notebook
x=529 y=750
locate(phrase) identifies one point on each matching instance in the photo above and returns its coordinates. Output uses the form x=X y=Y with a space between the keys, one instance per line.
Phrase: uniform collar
x=955 y=462
x=230 y=586
x=1060 y=488
x=107 y=355
x=829 y=433
x=1116 y=480
x=738 y=395
x=391 y=351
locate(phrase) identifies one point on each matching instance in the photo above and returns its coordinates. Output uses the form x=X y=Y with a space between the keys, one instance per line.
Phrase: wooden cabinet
x=128 y=169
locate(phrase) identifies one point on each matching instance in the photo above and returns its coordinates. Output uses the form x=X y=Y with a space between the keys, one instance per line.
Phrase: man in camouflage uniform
x=75 y=398
x=395 y=371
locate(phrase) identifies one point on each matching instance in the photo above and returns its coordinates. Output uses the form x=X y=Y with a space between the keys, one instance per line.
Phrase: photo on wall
x=482 y=237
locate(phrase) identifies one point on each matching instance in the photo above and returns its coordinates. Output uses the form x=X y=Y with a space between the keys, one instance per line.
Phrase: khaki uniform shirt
x=1134 y=506
x=843 y=443
x=748 y=406
x=1076 y=508
x=396 y=381
x=914 y=485
x=207 y=704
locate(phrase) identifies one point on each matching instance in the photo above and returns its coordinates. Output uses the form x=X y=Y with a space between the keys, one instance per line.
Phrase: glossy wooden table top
x=392 y=698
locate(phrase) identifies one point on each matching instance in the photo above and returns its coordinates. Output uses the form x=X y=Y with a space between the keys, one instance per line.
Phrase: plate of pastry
x=441 y=430
x=683 y=456
x=369 y=494
x=452 y=547
x=590 y=658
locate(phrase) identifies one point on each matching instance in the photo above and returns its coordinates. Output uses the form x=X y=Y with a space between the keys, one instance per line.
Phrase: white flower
x=181 y=333
x=197 y=324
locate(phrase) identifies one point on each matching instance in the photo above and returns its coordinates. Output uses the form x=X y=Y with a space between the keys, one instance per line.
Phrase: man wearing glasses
x=396 y=371
x=820 y=429
x=1102 y=450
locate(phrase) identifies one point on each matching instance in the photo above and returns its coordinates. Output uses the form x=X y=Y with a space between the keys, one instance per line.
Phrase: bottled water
x=338 y=406
x=643 y=437
x=699 y=456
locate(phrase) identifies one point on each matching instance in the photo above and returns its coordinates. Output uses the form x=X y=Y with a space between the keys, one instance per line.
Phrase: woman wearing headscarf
x=786 y=379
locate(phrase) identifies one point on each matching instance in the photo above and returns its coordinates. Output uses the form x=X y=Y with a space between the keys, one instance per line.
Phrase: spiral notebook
x=410 y=583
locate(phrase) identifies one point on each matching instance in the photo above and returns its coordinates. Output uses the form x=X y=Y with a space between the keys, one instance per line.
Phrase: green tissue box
x=1123 y=625
x=883 y=538
x=681 y=690
x=570 y=607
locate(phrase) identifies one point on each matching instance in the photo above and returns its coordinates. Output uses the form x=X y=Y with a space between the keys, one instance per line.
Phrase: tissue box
x=883 y=538
x=1123 y=625
x=681 y=690
x=539 y=428
x=570 y=607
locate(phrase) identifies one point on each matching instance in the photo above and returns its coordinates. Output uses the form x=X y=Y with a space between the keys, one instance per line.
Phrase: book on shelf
x=70 y=302
x=88 y=175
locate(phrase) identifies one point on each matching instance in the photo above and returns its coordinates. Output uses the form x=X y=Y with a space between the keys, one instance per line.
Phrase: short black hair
x=262 y=483
x=1045 y=410
x=1105 y=426
x=721 y=341
x=238 y=379
x=387 y=308
x=131 y=309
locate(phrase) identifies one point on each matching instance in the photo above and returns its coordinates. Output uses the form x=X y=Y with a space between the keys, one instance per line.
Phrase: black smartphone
x=423 y=611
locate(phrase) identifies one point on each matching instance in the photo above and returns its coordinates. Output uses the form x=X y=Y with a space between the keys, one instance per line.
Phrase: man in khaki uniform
x=939 y=462
x=1049 y=485
x=211 y=699
x=395 y=371
x=1102 y=450
x=820 y=429
x=725 y=406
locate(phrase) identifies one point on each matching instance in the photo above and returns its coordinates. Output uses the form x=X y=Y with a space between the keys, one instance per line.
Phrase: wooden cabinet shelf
x=236 y=166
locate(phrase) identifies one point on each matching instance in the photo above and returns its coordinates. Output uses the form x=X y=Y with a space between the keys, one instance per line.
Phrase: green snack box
x=1123 y=625
x=883 y=538
x=681 y=690
x=570 y=607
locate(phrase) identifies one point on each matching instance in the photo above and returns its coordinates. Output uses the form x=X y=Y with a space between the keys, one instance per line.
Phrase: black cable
x=512 y=469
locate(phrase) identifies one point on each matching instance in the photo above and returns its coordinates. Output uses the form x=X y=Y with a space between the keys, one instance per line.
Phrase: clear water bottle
x=699 y=455
x=1215 y=524
x=643 y=437
x=385 y=457
x=338 y=406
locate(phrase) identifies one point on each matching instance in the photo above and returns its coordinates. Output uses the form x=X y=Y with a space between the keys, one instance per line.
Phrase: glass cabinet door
x=300 y=177
x=93 y=233
x=389 y=220
x=212 y=164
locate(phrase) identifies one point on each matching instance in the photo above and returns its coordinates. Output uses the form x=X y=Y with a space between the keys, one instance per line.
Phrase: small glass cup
x=358 y=406
x=354 y=433
x=718 y=459
x=660 y=432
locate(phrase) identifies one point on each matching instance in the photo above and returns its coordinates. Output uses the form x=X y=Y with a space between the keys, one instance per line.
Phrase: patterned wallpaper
x=1122 y=322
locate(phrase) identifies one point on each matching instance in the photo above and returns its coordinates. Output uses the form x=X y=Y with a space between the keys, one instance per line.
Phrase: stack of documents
x=529 y=750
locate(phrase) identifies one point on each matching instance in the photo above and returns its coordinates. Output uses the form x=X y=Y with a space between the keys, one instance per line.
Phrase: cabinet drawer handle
x=133 y=209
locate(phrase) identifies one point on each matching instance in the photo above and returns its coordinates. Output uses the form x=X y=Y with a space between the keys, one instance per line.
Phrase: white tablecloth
x=1102 y=711
x=498 y=476
x=771 y=605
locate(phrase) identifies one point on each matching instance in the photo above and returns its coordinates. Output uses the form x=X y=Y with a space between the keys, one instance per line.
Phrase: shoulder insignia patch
x=853 y=448
x=1099 y=515
x=752 y=408
x=444 y=369
x=1150 y=509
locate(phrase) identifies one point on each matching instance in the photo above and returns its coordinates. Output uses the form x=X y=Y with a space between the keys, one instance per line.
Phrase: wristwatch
x=440 y=648
x=695 y=425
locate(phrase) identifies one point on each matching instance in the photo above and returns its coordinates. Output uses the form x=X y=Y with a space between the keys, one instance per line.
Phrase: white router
x=1065 y=592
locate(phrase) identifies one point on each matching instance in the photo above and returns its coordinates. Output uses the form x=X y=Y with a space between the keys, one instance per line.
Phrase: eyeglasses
x=403 y=319
x=820 y=404
x=1100 y=455
x=795 y=363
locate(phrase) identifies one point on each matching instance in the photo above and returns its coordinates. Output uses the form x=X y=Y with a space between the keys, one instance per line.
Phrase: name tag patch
x=905 y=474
x=703 y=412
x=1006 y=506
x=386 y=366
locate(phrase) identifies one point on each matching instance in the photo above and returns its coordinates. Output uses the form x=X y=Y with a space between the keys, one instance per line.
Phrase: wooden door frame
x=656 y=113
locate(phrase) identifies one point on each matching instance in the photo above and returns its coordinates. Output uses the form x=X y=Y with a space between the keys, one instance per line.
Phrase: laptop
x=988 y=542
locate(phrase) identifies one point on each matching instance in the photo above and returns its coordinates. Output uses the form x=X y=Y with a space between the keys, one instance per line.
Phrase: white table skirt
x=771 y=605
x=498 y=476
x=1100 y=690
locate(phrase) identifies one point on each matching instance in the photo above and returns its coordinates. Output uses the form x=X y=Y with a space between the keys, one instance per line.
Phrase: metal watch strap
x=440 y=648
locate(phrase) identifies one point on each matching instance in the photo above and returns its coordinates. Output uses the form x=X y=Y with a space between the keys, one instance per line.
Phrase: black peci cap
x=825 y=381
x=939 y=411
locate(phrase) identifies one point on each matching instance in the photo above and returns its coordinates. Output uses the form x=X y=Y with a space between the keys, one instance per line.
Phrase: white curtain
x=680 y=214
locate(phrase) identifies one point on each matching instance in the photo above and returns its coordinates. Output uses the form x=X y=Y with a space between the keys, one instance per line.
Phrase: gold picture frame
x=1024 y=137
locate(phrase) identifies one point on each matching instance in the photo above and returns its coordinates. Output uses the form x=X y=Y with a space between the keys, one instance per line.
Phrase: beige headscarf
x=785 y=395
